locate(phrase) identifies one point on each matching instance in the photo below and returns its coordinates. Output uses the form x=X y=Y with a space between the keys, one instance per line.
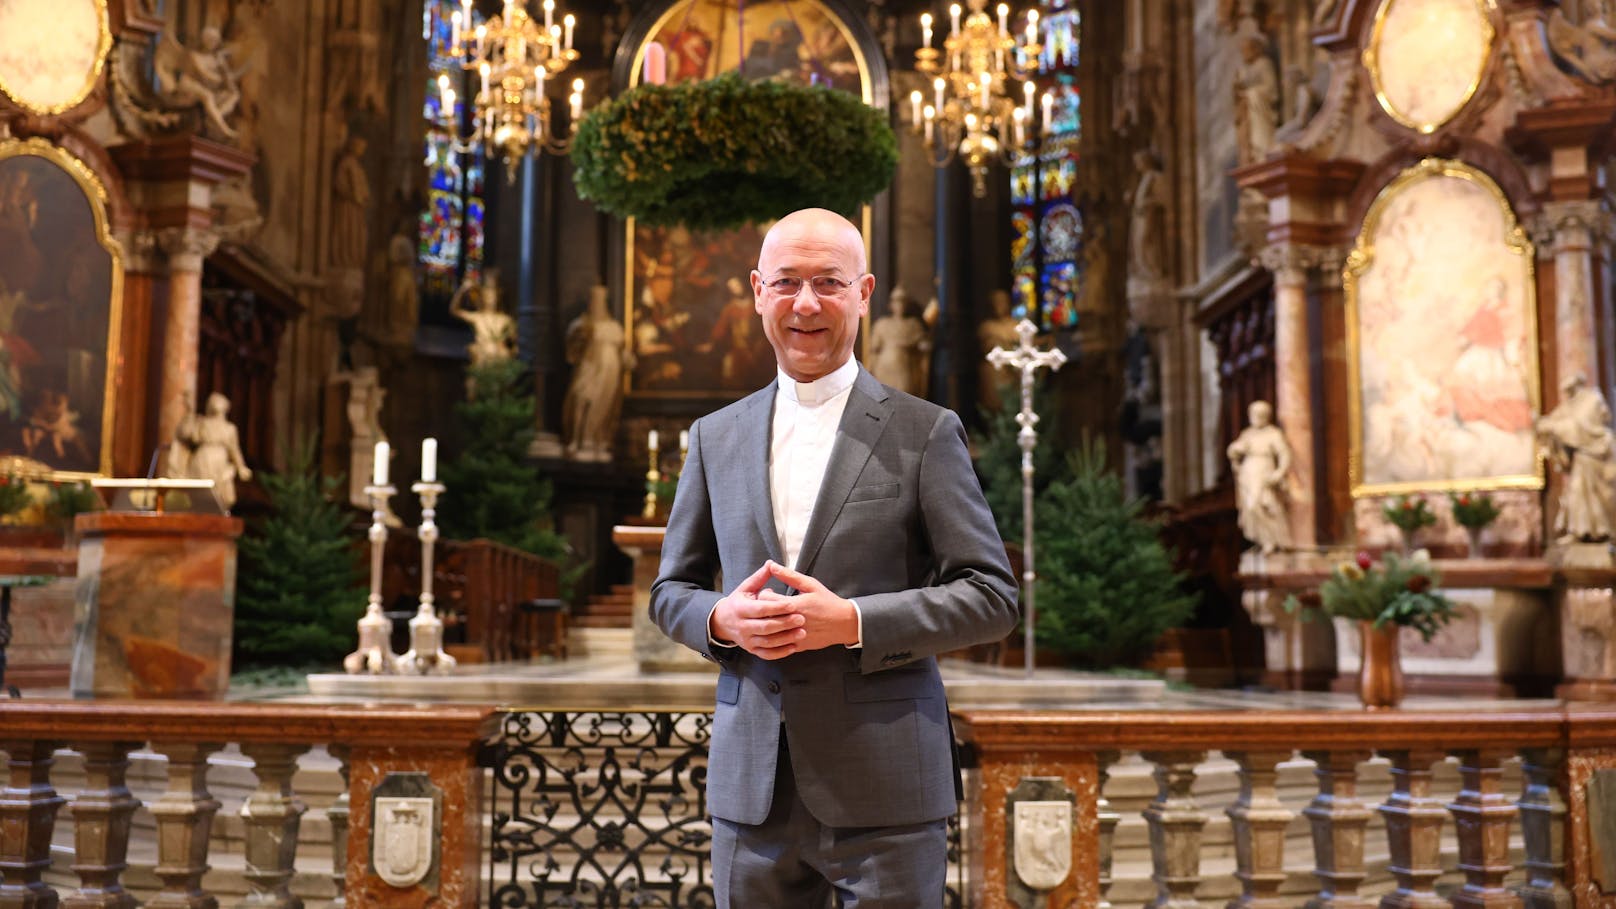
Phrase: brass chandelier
x=974 y=113
x=514 y=57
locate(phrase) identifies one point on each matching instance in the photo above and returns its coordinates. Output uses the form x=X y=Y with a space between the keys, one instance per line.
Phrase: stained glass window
x=450 y=235
x=1046 y=224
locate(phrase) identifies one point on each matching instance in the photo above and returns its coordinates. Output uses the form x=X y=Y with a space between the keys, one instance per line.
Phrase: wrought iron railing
x=608 y=808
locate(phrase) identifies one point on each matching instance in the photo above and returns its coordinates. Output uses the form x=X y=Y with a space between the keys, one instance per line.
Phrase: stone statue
x=1305 y=104
x=1262 y=460
x=202 y=77
x=595 y=348
x=1256 y=107
x=350 y=185
x=493 y=332
x=1581 y=443
x=207 y=447
x=364 y=411
x=403 y=293
x=998 y=330
x=899 y=343
x=1147 y=226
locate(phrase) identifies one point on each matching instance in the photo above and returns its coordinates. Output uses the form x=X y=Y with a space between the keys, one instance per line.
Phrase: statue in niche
x=493 y=333
x=899 y=344
x=207 y=447
x=596 y=350
x=1580 y=442
x=201 y=77
x=1256 y=105
x=1147 y=227
x=350 y=185
x=1261 y=458
x=998 y=330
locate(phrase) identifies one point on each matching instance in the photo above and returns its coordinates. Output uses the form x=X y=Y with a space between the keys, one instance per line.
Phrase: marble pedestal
x=653 y=650
x=1585 y=595
x=154 y=605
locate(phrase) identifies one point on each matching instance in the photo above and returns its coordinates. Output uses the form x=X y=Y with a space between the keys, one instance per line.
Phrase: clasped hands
x=771 y=625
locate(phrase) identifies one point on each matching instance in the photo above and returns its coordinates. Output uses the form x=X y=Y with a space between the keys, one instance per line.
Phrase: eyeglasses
x=823 y=285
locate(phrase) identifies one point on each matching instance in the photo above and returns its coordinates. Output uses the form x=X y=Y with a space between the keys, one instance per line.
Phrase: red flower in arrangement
x=1365 y=560
x=1465 y=500
x=1419 y=583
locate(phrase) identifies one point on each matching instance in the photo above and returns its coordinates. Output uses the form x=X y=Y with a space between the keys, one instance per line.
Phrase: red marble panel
x=460 y=858
x=1000 y=772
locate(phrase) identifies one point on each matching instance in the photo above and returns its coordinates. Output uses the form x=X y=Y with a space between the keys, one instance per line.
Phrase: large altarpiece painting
x=688 y=310
x=61 y=278
x=1442 y=331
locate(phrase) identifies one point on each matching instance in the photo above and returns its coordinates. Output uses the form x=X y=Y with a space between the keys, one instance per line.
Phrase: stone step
x=588 y=641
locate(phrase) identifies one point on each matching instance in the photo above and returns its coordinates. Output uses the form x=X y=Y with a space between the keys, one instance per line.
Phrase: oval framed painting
x=61 y=65
x=1426 y=58
x=1442 y=362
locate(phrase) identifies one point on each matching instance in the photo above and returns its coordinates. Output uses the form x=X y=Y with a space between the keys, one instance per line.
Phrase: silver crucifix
x=1029 y=360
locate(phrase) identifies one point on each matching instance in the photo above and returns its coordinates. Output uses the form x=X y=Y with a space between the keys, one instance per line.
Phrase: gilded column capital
x=1291 y=262
x=186 y=247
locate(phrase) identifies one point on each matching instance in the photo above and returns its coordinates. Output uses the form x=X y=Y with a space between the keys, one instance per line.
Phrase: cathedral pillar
x=185 y=248
x=1293 y=384
x=1571 y=230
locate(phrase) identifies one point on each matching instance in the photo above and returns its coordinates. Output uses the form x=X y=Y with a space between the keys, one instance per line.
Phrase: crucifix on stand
x=1029 y=360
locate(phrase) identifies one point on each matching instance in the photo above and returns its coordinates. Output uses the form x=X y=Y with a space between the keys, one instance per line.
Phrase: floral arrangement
x=14 y=495
x=70 y=499
x=1408 y=513
x=1473 y=510
x=1396 y=590
x=719 y=153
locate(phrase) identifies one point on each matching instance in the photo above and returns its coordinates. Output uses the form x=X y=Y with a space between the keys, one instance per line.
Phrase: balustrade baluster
x=28 y=808
x=1414 y=821
x=1338 y=819
x=1108 y=820
x=1482 y=815
x=184 y=816
x=1259 y=819
x=1175 y=823
x=338 y=815
x=1543 y=814
x=101 y=817
x=272 y=814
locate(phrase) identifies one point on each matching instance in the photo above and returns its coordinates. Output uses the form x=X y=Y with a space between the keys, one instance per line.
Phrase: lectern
x=155 y=599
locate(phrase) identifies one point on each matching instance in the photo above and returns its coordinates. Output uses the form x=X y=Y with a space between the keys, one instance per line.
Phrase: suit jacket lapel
x=754 y=426
x=862 y=424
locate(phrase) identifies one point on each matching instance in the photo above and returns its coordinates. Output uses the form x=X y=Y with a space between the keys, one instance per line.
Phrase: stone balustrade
x=1554 y=861
x=383 y=750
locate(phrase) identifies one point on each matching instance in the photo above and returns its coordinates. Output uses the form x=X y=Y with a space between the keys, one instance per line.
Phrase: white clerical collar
x=822 y=389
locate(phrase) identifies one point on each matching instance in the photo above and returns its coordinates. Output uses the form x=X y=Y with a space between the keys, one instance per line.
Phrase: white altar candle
x=1049 y=111
x=1032 y=26
x=549 y=13
x=1004 y=20
x=651 y=441
x=925 y=28
x=569 y=22
x=684 y=440
x=914 y=107
x=379 y=471
x=953 y=20
x=656 y=64
x=429 y=460
x=577 y=99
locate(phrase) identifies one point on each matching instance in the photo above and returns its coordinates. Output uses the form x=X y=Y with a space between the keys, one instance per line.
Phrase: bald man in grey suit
x=854 y=545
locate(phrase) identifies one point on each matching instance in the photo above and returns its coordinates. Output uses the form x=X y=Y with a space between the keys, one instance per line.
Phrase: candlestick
x=378 y=472
x=429 y=460
x=375 y=653
x=653 y=476
x=426 y=653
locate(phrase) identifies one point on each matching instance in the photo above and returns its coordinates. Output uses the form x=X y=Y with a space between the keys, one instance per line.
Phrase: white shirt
x=806 y=415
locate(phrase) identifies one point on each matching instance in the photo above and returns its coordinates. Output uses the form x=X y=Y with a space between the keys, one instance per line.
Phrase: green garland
x=720 y=153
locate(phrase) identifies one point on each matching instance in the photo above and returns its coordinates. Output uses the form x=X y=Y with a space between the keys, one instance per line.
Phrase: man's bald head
x=815 y=227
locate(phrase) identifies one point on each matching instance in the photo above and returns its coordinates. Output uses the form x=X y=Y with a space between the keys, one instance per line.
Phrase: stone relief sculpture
x=207 y=447
x=202 y=76
x=1147 y=223
x=1587 y=49
x=1261 y=458
x=1580 y=442
x=899 y=343
x=350 y=187
x=1305 y=103
x=597 y=351
x=998 y=330
x=493 y=332
x=1256 y=106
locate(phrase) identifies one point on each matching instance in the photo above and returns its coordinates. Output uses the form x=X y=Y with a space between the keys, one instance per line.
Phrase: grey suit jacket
x=900 y=525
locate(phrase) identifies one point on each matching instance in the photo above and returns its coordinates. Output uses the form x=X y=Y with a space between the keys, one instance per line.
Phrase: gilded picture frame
x=61 y=313
x=1442 y=361
x=688 y=315
x=1426 y=58
x=63 y=64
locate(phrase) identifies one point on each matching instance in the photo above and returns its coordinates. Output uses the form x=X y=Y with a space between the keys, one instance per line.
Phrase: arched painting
x=688 y=302
x=61 y=278
x=1442 y=335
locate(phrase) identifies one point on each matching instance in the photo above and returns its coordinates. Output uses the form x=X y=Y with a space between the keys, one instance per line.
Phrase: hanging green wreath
x=724 y=152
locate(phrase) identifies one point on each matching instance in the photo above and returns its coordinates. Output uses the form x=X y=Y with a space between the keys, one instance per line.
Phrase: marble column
x=1158 y=310
x=1571 y=229
x=1293 y=383
x=186 y=248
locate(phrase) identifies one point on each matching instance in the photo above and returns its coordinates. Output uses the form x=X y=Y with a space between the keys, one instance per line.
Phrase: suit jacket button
x=774 y=687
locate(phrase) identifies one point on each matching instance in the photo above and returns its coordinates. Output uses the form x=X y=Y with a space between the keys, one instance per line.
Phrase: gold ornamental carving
x=53 y=53
x=1426 y=58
